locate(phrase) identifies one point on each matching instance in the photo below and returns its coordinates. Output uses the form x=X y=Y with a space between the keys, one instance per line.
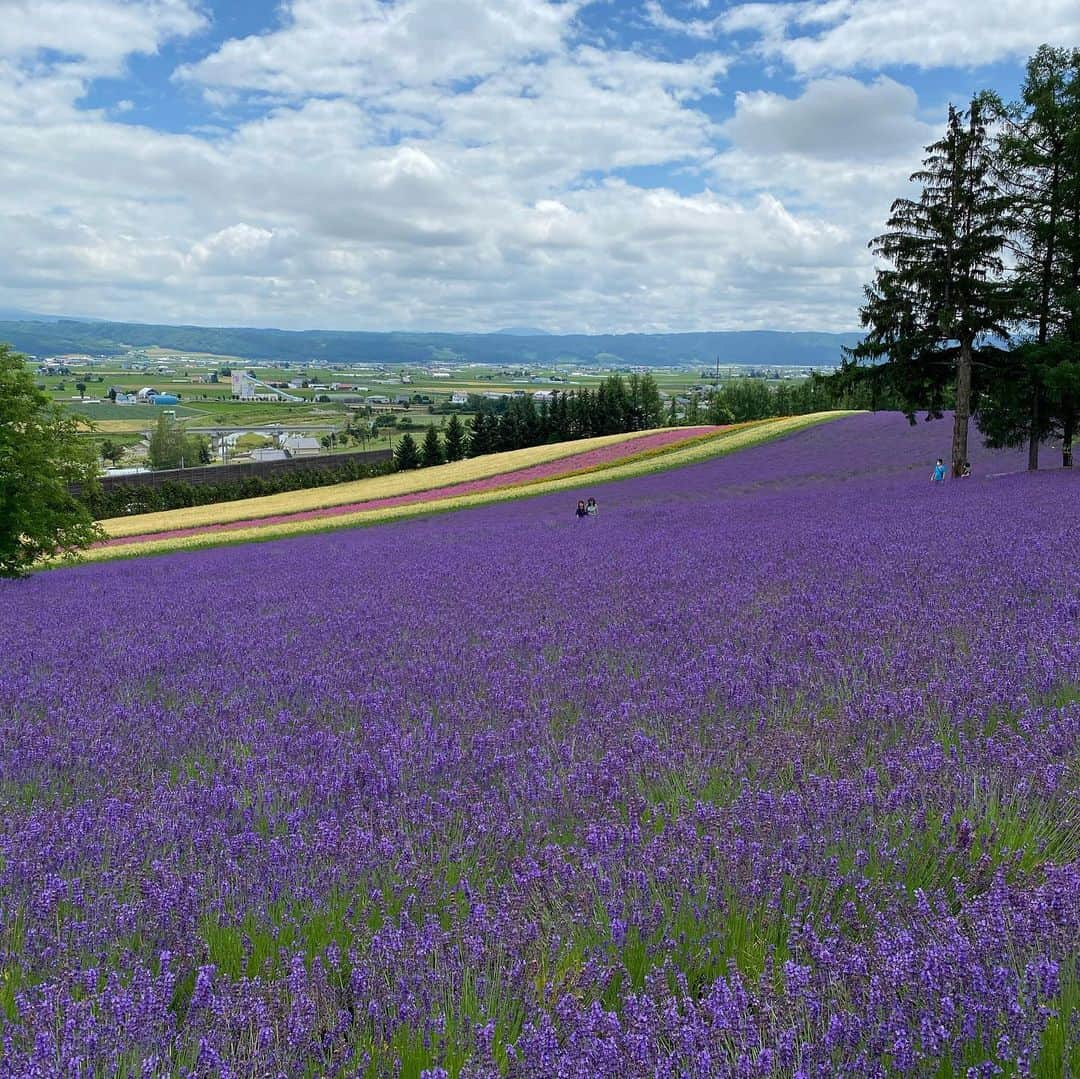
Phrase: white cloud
x=356 y=47
x=92 y=37
x=662 y=20
x=845 y=35
x=457 y=165
x=836 y=118
x=841 y=148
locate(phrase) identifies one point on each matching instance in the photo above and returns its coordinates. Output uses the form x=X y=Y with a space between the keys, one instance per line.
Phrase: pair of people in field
x=938 y=475
x=587 y=509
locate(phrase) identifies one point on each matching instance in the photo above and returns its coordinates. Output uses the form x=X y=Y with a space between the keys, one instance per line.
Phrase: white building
x=300 y=445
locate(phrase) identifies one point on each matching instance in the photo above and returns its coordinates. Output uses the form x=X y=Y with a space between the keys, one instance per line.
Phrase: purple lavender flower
x=774 y=776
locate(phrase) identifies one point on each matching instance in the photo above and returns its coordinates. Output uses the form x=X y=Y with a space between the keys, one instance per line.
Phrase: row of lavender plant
x=771 y=770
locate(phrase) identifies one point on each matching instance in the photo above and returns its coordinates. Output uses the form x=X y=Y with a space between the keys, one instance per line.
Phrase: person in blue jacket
x=938 y=475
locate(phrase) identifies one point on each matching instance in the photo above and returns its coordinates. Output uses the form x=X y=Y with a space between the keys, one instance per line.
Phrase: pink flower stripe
x=578 y=462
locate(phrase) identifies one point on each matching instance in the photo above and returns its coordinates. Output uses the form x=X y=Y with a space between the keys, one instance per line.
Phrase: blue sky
x=613 y=166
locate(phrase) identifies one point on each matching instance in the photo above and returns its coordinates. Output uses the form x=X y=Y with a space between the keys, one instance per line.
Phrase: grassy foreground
x=726 y=441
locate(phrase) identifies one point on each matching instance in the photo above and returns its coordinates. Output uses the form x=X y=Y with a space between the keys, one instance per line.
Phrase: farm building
x=300 y=445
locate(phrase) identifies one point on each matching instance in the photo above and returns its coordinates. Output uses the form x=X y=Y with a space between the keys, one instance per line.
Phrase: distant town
x=288 y=409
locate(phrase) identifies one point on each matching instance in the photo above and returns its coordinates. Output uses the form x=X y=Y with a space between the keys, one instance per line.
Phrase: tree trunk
x=963 y=408
x=1068 y=429
x=1033 y=435
x=1046 y=288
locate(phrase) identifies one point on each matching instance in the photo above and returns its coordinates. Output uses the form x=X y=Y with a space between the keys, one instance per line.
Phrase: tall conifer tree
x=930 y=310
x=406 y=454
x=482 y=432
x=455 y=438
x=1037 y=387
x=431 y=451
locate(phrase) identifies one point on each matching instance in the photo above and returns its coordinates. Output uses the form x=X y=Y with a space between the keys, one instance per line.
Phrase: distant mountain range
x=17 y=314
x=755 y=348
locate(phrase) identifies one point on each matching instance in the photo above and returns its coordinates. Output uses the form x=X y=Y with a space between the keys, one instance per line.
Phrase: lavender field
x=770 y=770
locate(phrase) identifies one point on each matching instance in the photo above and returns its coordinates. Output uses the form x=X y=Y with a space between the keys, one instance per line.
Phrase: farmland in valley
x=771 y=769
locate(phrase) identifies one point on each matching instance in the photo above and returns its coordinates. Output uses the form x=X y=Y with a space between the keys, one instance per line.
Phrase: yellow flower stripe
x=340 y=494
x=699 y=450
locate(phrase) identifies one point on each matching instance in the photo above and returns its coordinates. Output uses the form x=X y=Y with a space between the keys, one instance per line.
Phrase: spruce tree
x=529 y=419
x=560 y=418
x=1036 y=388
x=508 y=429
x=431 y=451
x=482 y=433
x=543 y=422
x=406 y=454
x=455 y=438
x=930 y=311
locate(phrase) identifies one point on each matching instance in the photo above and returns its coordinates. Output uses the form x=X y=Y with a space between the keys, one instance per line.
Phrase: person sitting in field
x=591 y=508
x=581 y=511
x=966 y=470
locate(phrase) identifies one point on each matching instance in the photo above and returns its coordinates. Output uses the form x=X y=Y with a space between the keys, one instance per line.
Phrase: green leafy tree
x=171 y=448
x=742 y=399
x=612 y=410
x=431 y=451
x=80 y=388
x=456 y=439
x=719 y=411
x=166 y=444
x=650 y=402
x=580 y=415
x=406 y=454
x=111 y=451
x=41 y=454
x=930 y=311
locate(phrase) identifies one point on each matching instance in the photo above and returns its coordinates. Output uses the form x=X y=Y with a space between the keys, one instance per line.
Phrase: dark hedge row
x=126 y=498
